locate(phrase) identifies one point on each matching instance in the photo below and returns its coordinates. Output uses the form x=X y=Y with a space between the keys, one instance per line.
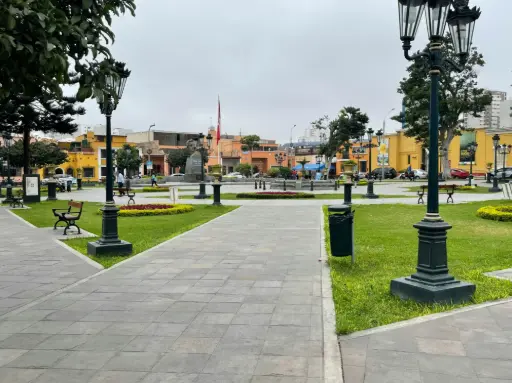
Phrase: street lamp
x=149 y=151
x=108 y=99
x=505 y=150
x=472 y=150
x=432 y=282
x=279 y=159
x=200 y=147
x=7 y=138
x=379 y=142
x=496 y=143
x=369 y=191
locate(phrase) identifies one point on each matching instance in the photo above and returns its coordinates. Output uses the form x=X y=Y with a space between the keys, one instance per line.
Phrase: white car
x=177 y=175
x=236 y=175
x=418 y=173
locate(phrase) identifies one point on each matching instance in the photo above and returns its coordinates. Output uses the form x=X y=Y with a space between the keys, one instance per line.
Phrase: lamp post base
x=432 y=282
x=98 y=248
x=495 y=188
x=369 y=191
x=216 y=195
x=109 y=243
x=202 y=192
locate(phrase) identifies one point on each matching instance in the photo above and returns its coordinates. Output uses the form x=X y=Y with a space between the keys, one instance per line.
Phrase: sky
x=274 y=63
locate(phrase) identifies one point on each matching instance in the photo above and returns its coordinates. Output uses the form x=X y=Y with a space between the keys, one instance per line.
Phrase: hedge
x=154 y=189
x=495 y=213
x=152 y=209
x=275 y=195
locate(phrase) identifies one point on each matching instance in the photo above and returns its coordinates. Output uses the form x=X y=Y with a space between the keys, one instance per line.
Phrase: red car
x=459 y=173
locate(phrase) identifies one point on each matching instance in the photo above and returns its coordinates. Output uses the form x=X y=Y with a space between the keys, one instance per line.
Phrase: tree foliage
x=250 y=142
x=177 y=158
x=350 y=123
x=42 y=154
x=459 y=94
x=244 y=169
x=128 y=158
x=42 y=42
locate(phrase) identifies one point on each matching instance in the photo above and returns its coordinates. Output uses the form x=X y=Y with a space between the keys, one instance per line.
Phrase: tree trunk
x=446 y=140
x=26 y=150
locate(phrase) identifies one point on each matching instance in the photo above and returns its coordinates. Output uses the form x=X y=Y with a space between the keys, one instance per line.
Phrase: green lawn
x=386 y=247
x=143 y=232
x=232 y=196
x=476 y=190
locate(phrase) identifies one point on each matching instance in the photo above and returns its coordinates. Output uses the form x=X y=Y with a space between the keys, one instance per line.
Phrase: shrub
x=275 y=195
x=496 y=213
x=154 y=189
x=152 y=209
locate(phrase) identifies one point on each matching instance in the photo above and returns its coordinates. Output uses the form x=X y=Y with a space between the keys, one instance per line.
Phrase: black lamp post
x=108 y=99
x=505 y=150
x=7 y=138
x=432 y=282
x=496 y=142
x=200 y=146
x=380 y=135
x=369 y=191
x=472 y=150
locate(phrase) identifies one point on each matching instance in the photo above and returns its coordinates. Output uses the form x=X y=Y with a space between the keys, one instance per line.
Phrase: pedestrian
x=120 y=180
x=153 y=181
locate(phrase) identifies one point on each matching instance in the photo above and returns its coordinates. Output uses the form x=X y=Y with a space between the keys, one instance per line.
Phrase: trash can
x=341 y=229
x=68 y=185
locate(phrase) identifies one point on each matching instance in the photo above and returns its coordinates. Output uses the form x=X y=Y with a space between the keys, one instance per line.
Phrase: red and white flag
x=218 y=121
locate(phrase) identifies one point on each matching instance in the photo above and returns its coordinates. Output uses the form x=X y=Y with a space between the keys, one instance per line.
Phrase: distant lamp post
x=280 y=159
x=505 y=150
x=496 y=143
x=432 y=282
x=108 y=99
x=7 y=138
x=369 y=191
x=380 y=137
x=472 y=151
x=200 y=147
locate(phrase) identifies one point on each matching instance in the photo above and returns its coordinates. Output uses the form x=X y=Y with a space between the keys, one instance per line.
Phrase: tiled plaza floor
x=237 y=300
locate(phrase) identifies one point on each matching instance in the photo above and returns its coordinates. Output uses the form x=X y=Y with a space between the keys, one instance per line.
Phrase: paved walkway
x=234 y=301
x=468 y=347
x=32 y=264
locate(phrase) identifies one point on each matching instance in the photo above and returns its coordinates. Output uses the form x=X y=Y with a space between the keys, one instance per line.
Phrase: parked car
x=177 y=175
x=235 y=175
x=389 y=173
x=499 y=172
x=504 y=173
x=459 y=173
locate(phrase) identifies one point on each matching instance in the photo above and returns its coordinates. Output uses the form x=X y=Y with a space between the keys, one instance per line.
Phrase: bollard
x=335 y=185
x=260 y=184
x=264 y=185
x=255 y=185
x=347 y=194
x=311 y=187
x=52 y=190
x=216 y=194
x=8 y=193
x=284 y=185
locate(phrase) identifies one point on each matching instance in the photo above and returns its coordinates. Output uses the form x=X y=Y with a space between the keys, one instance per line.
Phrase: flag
x=218 y=121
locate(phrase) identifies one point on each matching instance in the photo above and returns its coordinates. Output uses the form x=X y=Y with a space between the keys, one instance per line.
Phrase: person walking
x=153 y=181
x=120 y=180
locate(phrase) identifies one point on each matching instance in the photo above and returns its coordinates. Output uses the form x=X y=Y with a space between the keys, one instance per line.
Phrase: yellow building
x=88 y=152
x=403 y=151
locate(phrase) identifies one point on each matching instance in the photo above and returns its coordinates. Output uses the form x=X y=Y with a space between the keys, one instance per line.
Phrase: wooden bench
x=450 y=190
x=68 y=216
x=121 y=192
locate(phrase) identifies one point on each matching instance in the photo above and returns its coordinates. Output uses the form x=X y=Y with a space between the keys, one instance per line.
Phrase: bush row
x=154 y=189
x=142 y=212
x=275 y=195
x=496 y=213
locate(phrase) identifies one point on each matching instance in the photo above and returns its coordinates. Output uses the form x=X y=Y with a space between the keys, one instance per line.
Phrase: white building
x=505 y=114
x=490 y=118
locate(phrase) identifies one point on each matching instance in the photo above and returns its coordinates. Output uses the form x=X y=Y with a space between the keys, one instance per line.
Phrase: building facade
x=491 y=117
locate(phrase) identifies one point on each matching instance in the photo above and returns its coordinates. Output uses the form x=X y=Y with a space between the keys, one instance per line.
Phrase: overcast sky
x=274 y=63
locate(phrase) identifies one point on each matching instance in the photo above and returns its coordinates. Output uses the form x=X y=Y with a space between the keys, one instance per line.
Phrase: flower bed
x=496 y=213
x=152 y=209
x=154 y=189
x=275 y=195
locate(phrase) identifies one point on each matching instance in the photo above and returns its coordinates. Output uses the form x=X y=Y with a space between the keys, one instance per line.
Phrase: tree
x=42 y=154
x=250 y=143
x=459 y=94
x=350 y=123
x=20 y=114
x=40 y=41
x=128 y=158
x=244 y=169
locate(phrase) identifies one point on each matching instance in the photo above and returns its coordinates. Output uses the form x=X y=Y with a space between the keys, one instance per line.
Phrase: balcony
x=230 y=154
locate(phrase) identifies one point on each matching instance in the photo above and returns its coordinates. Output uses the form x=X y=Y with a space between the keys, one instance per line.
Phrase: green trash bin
x=341 y=229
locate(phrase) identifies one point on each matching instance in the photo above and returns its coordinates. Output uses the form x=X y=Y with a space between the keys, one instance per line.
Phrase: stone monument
x=194 y=164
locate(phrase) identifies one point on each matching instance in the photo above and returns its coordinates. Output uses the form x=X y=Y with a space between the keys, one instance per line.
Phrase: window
x=103 y=153
x=88 y=172
x=408 y=159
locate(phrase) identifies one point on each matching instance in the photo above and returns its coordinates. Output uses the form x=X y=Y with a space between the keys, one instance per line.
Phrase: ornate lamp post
x=432 y=282
x=380 y=135
x=472 y=150
x=369 y=191
x=200 y=146
x=109 y=241
x=505 y=150
x=7 y=138
x=496 y=142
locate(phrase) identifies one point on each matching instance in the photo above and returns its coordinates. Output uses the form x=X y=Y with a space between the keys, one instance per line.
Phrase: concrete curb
x=333 y=371
x=82 y=281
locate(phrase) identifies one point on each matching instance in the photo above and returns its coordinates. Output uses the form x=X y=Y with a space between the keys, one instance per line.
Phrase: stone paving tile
x=183 y=313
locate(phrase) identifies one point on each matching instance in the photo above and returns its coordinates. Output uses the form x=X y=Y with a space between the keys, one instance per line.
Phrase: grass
x=143 y=232
x=386 y=248
x=232 y=196
x=476 y=190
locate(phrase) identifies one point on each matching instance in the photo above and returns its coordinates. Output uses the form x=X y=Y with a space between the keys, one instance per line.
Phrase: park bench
x=68 y=216
x=120 y=192
x=450 y=190
x=17 y=200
